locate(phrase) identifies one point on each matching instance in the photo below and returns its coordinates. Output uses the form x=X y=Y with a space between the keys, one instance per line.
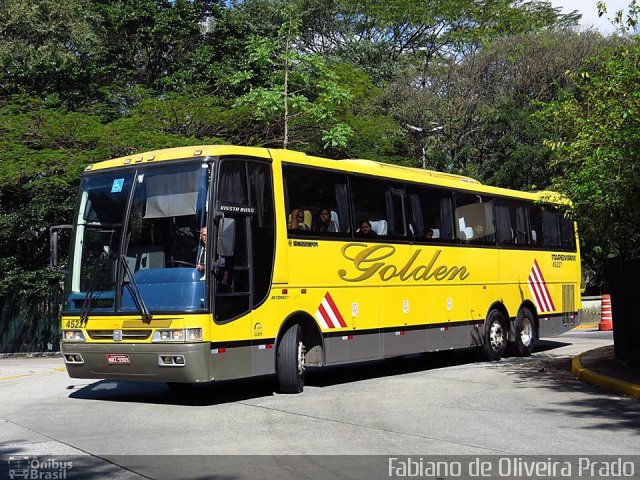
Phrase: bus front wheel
x=290 y=361
x=495 y=336
x=526 y=333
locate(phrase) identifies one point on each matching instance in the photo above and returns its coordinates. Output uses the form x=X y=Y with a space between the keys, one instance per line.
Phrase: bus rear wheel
x=495 y=336
x=526 y=333
x=290 y=361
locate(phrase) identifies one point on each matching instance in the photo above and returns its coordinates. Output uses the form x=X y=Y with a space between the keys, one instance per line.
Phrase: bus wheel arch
x=526 y=330
x=311 y=337
x=496 y=332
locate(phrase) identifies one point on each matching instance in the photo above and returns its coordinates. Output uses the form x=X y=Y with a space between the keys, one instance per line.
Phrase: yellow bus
x=208 y=263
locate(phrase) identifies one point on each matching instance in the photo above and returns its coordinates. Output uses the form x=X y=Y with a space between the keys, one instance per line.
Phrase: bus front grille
x=126 y=334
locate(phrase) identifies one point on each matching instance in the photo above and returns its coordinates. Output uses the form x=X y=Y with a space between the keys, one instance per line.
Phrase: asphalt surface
x=444 y=404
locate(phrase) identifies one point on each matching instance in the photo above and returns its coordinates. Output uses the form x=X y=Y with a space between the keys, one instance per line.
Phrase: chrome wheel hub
x=496 y=336
x=301 y=352
x=526 y=334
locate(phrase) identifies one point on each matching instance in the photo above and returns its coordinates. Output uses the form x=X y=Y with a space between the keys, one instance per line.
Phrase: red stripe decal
x=539 y=287
x=544 y=284
x=336 y=312
x=536 y=292
x=543 y=287
x=325 y=315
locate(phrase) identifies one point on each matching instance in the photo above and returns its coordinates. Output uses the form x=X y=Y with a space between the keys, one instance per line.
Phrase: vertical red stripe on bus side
x=536 y=292
x=543 y=287
x=537 y=282
x=326 y=316
x=336 y=312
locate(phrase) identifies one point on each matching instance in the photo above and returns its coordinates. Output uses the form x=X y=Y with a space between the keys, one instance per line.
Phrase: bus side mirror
x=226 y=237
x=55 y=235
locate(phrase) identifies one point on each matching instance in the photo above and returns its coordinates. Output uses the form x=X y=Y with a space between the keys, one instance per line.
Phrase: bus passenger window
x=511 y=222
x=319 y=200
x=474 y=218
x=545 y=228
x=380 y=205
x=567 y=233
x=429 y=214
x=550 y=229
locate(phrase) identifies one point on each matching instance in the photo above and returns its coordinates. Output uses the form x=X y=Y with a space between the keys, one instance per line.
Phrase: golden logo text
x=375 y=260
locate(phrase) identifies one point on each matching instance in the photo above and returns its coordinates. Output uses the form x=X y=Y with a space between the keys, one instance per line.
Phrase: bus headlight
x=73 y=336
x=168 y=336
x=178 y=335
x=193 y=334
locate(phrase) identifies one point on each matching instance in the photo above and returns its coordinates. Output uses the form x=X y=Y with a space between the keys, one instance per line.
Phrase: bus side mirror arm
x=54 y=234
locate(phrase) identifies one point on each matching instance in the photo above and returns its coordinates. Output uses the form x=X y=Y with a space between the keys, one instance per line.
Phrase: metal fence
x=29 y=325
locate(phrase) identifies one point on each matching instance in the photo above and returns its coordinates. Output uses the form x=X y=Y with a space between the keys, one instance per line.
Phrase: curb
x=587 y=326
x=620 y=386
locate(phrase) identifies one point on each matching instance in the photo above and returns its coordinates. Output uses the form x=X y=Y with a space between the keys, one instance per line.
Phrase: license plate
x=118 y=359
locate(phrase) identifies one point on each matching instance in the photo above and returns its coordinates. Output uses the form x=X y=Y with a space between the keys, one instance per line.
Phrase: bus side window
x=323 y=198
x=429 y=214
x=504 y=225
x=544 y=226
x=567 y=233
x=380 y=203
x=511 y=222
x=474 y=218
x=550 y=229
x=535 y=225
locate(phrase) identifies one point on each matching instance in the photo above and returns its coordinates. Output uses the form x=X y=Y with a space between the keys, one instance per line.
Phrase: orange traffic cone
x=606 y=322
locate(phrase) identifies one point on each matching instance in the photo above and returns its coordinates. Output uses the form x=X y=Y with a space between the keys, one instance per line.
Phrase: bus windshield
x=140 y=228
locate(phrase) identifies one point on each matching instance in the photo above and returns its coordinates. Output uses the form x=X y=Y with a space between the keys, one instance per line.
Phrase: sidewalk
x=600 y=367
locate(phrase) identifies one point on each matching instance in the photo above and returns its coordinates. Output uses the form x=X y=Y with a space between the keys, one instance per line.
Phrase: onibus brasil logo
x=36 y=469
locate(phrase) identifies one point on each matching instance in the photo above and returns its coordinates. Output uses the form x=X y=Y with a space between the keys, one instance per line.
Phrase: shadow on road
x=602 y=408
x=251 y=388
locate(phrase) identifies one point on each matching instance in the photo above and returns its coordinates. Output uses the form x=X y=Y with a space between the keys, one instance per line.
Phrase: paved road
x=437 y=404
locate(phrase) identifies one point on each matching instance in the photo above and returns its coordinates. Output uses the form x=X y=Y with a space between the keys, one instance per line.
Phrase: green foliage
x=287 y=87
x=43 y=151
x=627 y=22
x=474 y=115
x=82 y=81
x=597 y=148
x=383 y=38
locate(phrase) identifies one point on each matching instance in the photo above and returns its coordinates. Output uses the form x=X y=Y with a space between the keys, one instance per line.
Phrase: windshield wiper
x=135 y=291
x=97 y=271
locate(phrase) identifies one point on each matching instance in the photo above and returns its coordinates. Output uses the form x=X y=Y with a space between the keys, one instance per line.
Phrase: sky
x=590 y=13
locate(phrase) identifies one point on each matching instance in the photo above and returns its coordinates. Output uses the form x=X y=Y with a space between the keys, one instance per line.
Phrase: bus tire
x=526 y=332
x=495 y=336
x=290 y=361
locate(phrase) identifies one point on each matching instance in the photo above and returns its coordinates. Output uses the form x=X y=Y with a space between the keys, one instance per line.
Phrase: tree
x=288 y=84
x=45 y=47
x=627 y=22
x=597 y=148
x=382 y=38
x=478 y=111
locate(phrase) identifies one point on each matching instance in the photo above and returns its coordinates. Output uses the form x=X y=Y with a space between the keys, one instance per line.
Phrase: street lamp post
x=424 y=133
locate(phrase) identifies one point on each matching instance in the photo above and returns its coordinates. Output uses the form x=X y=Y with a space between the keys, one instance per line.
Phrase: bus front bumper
x=184 y=362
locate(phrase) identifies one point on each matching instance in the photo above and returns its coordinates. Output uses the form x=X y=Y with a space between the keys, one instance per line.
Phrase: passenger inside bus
x=298 y=219
x=366 y=230
x=324 y=221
